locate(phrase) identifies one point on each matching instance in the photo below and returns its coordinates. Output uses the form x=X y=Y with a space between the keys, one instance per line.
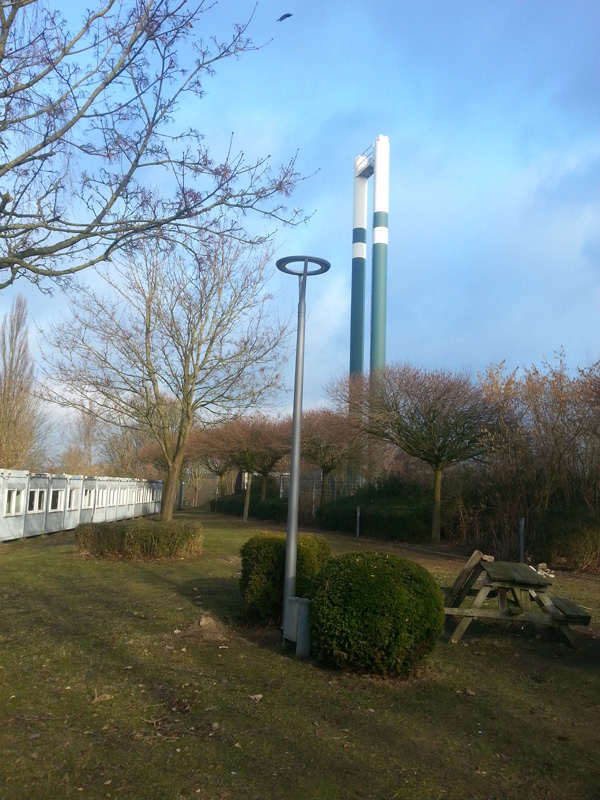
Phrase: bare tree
x=440 y=417
x=177 y=340
x=195 y=473
x=20 y=415
x=82 y=436
x=542 y=462
x=555 y=411
x=255 y=444
x=589 y=448
x=275 y=441
x=89 y=129
x=122 y=450
x=329 y=439
x=207 y=447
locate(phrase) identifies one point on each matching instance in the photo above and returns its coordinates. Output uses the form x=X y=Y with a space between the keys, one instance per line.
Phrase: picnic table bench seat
x=573 y=613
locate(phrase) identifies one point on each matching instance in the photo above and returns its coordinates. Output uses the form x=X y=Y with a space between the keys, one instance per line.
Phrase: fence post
x=522 y=540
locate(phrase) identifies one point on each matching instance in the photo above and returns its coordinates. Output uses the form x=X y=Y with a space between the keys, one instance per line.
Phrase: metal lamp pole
x=291 y=545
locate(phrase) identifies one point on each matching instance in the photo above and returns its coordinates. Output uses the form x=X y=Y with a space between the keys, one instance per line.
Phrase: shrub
x=572 y=540
x=376 y=613
x=263 y=566
x=140 y=539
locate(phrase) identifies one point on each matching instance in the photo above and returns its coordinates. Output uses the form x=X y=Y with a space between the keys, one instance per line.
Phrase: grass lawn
x=136 y=680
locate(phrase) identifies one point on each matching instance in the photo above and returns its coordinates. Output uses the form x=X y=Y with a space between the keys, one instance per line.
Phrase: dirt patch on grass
x=207 y=629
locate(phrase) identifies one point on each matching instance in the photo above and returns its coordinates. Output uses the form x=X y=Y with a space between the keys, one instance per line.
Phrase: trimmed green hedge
x=391 y=508
x=375 y=613
x=382 y=520
x=140 y=538
x=263 y=566
x=273 y=509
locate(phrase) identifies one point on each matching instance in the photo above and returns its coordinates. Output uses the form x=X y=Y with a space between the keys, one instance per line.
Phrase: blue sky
x=493 y=116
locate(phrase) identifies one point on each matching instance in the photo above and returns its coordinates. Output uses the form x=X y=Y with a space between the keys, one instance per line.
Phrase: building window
x=56 y=499
x=14 y=500
x=88 y=498
x=36 y=501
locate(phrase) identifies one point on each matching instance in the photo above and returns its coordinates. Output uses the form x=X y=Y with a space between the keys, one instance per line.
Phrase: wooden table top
x=519 y=574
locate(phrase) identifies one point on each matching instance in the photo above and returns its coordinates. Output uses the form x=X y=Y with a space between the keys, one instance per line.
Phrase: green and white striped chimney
x=381 y=204
x=375 y=161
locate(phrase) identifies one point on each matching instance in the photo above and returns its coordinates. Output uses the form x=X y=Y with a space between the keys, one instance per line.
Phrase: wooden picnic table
x=522 y=595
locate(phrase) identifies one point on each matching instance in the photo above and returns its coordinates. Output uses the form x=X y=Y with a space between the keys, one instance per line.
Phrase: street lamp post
x=319 y=266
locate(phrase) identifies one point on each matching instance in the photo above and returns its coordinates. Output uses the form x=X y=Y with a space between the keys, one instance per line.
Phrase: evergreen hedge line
x=140 y=539
x=263 y=566
x=382 y=520
x=375 y=613
x=273 y=509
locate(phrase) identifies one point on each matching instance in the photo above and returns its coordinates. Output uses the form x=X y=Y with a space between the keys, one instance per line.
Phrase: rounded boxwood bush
x=375 y=613
x=263 y=567
x=140 y=538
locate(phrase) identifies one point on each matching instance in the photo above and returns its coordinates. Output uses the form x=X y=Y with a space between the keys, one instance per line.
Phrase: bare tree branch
x=88 y=134
x=20 y=414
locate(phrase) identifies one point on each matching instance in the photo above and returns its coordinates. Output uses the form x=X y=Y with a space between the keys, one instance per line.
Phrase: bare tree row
x=522 y=444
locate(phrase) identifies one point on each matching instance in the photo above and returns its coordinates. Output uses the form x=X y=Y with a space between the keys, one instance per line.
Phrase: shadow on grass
x=546 y=643
x=219 y=596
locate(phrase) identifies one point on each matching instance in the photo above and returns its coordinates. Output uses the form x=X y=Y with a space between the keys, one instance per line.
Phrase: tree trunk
x=169 y=496
x=323 y=487
x=170 y=488
x=437 y=506
x=247 y=499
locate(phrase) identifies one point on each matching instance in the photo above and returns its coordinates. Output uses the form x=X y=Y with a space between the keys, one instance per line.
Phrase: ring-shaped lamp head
x=320 y=263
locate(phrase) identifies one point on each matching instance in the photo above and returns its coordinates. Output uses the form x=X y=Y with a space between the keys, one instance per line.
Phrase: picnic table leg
x=566 y=631
x=502 y=599
x=466 y=621
x=525 y=600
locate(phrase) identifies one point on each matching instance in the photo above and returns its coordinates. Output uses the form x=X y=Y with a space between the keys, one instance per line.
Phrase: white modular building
x=35 y=503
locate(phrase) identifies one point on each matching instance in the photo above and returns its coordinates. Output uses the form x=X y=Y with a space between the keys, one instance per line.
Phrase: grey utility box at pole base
x=296 y=626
